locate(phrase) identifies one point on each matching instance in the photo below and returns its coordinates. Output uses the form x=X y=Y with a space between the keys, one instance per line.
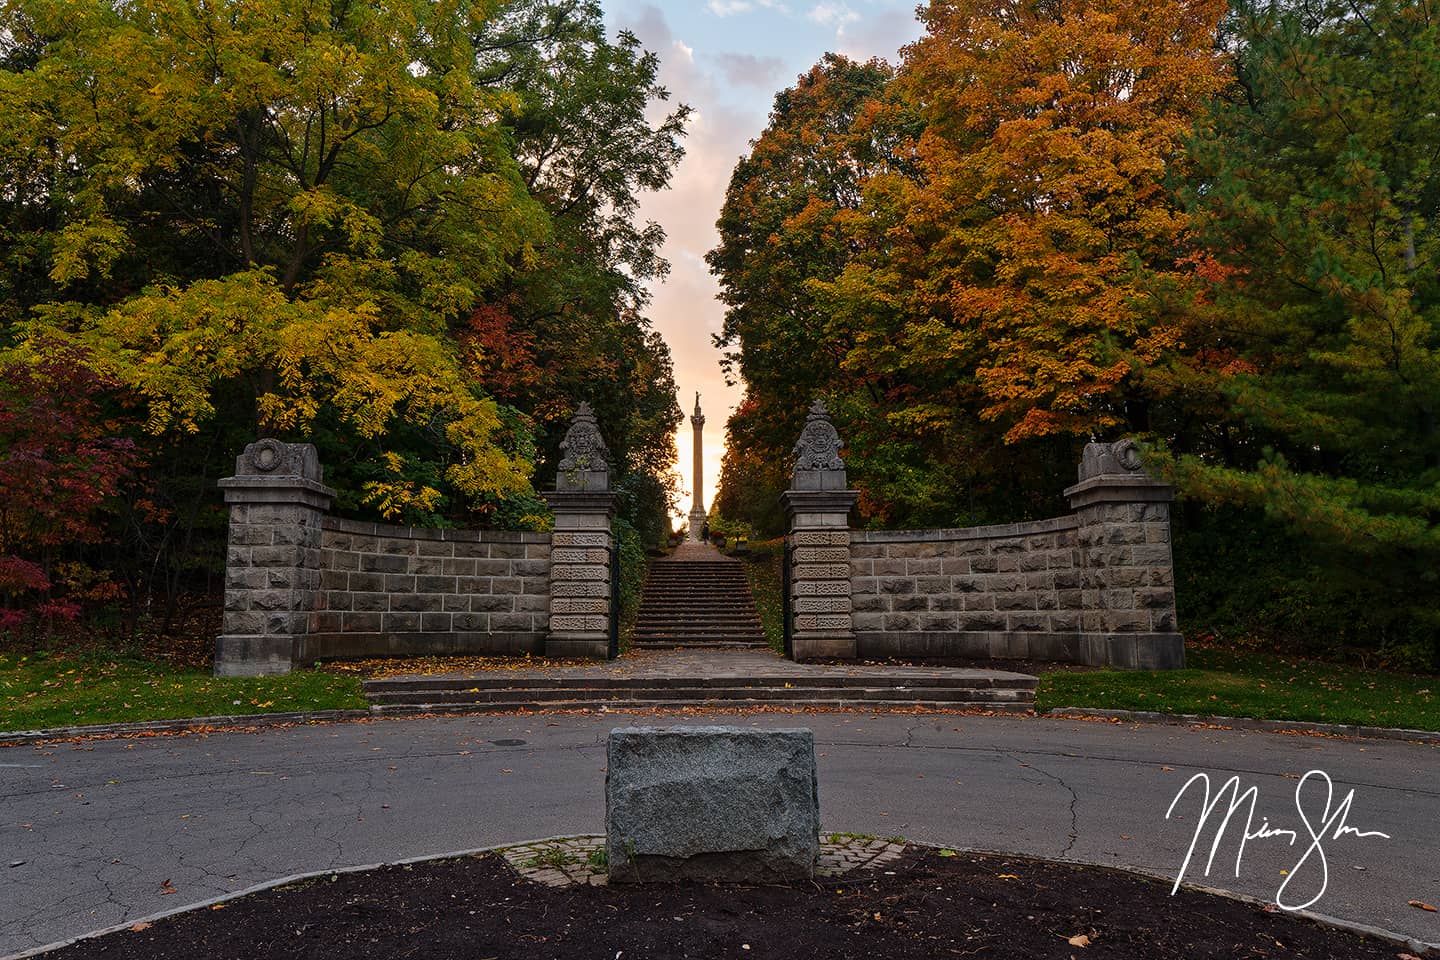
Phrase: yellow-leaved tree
x=272 y=204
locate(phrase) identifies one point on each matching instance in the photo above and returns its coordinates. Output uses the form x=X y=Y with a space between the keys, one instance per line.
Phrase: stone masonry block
x=821 y=571
x=711 y=803
x=579 y=589
x=821 y=605
x=570 y=605
x=579 y=555
x=820 y=538
x=802 y=555
x=578 y=624
x=823 y=588
x=585 y=572
x=580 y=540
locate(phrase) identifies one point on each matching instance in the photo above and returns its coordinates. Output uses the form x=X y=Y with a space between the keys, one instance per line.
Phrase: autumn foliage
x=60 y=462
x=1210 y=229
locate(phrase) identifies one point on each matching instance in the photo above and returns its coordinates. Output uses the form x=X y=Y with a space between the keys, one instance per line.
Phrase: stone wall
x=393 y=591
x=301 y=586
x=1012 y=590
x=1095 y=587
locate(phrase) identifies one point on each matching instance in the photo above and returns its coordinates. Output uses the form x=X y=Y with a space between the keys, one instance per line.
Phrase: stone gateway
x=1096 y=586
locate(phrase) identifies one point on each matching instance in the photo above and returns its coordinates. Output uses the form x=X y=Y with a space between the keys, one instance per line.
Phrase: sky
x=727 y=59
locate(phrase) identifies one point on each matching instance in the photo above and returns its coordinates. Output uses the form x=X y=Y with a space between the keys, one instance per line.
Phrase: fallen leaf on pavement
x=139 y=927
x=1422 y=905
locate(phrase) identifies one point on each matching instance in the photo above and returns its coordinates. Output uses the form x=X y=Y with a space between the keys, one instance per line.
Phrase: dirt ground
x=924 y=906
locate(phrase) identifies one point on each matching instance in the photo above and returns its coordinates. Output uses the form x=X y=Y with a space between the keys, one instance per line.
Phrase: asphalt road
x=92 y=831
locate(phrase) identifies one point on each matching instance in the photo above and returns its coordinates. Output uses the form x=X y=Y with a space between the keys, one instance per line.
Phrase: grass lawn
x=1243 y=684
x=39 y=690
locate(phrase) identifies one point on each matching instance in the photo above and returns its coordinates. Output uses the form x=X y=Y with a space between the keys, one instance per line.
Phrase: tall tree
x=1317 y=202
x=289 y=198
x=782 y=225
x=571 y=322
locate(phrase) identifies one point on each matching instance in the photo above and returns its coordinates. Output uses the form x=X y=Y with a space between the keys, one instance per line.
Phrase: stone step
x=713 y=694
x=701 y=644
x=718 y=633
x=690 y=604
x=714 y=633
x=837 y=681
x=690 y=620
x=517 y=706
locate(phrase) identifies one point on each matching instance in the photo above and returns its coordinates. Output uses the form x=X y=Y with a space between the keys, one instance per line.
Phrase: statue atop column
x=697 y=507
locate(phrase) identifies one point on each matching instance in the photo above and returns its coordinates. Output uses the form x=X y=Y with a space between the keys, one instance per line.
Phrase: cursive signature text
x=1321 y=823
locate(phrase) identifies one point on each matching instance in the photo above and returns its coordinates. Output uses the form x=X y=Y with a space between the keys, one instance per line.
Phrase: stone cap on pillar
x=1115 y=473
x=584 y=458
x=817 y=454
x=580 y=503
x=272 y=471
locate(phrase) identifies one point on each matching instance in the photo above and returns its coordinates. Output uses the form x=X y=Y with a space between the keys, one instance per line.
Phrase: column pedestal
x=580 y=574
x=1127 y=579
x=272 y=564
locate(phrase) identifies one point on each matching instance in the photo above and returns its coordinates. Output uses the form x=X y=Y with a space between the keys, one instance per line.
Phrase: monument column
x=697 y=508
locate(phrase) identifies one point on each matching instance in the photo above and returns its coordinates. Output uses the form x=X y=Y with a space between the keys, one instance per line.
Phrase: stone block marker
x=711 y=803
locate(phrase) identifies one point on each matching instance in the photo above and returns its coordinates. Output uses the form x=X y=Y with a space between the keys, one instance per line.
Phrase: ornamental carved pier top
x=584 y=458
x=818 y=465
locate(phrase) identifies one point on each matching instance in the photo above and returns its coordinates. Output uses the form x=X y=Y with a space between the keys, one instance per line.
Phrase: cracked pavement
x=91 y=831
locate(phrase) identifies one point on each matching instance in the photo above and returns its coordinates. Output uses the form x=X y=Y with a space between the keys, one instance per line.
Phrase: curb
x=240 y=721
x=1245 y=723
x=1417 y=947
x=10 y=738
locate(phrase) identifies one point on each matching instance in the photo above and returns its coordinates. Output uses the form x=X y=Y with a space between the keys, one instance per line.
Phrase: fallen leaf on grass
x=1422 y=905
x=1006 y=876
x=140 y=927
x=1079 y=940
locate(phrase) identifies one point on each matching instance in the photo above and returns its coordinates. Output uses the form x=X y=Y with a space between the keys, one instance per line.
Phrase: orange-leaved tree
x=1031 y=263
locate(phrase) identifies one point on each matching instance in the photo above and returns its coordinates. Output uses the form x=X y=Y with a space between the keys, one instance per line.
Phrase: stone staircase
x=965 y=690
x=697 y=598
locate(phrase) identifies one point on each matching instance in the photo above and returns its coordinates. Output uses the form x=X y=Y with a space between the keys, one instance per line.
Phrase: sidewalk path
x=95 y=828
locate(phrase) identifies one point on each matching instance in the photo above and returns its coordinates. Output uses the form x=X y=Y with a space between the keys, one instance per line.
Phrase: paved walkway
x=90 y=832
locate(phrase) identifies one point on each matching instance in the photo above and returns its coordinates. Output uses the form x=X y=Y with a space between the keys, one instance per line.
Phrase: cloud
x=748 y=70
x=729 y=8
x=684 y=308
x=836 y=15
x=880 y=34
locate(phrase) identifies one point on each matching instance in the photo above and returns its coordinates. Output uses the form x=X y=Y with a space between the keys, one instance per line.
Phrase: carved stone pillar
x=817 y=511
x=580 y=569
x=1127 y=577
x=272 y=565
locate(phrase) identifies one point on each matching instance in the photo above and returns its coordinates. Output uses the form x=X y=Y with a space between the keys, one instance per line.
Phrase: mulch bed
x=923 y=906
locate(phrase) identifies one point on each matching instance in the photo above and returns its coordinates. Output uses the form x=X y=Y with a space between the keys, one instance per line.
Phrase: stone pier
x=580 y=573
x=817 y=511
